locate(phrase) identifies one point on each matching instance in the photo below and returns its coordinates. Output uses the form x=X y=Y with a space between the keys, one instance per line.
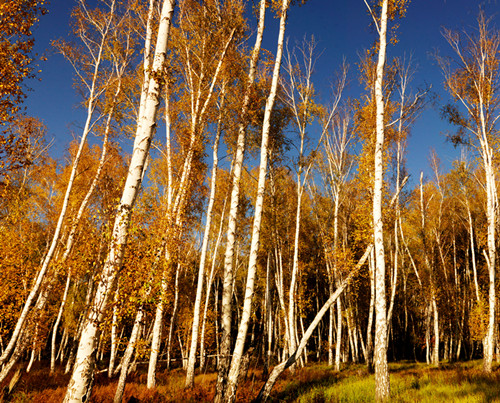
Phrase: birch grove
x=223 y=224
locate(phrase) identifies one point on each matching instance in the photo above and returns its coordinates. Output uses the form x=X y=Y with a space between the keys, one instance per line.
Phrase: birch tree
x=381 y=369
x=80 y=385
x=94 y=33
x=388 y=9
x=204 y=249
x=299 y=96
x=237 y=164
x=234 y=370
x=337 y=143
x=474 y=86
x=201 y=73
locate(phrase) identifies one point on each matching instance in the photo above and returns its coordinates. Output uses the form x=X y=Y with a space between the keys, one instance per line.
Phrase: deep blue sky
x=342 y=28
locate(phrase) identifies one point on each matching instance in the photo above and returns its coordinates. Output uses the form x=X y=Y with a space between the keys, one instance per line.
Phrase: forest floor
x=410 y=382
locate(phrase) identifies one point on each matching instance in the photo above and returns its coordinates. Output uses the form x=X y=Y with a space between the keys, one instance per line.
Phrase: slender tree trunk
x=173 y=317
x=157 y=330
x=428 y=314
x=127 y=356
x=80 y=385
x=435 y=313
x=472 y=249
x=232 y=383
x=382 y=387
x=209 y=287
x=292 y=322
x=114 y=341
x=489 y=340
x=339 y=335
x=330 y=322
x=201 y=269
x=268 y=317
x=62 y=346
x=369 y=335
x=227 y=291
x=56 y=325
x=280 y=368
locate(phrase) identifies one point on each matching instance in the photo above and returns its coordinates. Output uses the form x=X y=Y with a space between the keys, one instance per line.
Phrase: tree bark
x=232 y=383
x=382 y=388
x=204 y=248
x=227 y=291
x=80 y=385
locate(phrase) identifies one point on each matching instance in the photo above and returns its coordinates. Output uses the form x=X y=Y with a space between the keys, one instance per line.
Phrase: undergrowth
x=410 y=382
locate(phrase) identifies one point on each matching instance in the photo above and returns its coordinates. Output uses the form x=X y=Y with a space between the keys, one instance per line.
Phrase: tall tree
x=80 y=385
x=474 y=85
x=227 y=291
x=229 y=392
x=94 y=32
x=299 y=96
x=382 y=389
x=388 y=9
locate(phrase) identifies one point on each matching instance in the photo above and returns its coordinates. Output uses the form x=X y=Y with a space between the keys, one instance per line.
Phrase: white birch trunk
x=80 y=385
x=435 y=349
x=156 y=340
x=204 y=248
x=227 y=291
x=114 y=341
x=369 y=335
x=280 y=368
x=62 y=346
x=473 y=250
x=489 y=340
x=127 y=356
x=173 y=317
x=55 y=238
x=209 y=287
x=268 y=318
x=338 y=342
x=330 y=323
x=56 y=325
x=382 y=388
x=292 y=322
x=232 y=383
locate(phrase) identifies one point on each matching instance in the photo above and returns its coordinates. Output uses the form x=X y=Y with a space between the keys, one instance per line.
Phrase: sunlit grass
x=410 y=382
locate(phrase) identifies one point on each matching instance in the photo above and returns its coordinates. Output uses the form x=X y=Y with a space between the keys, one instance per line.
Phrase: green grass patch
x=410 y=382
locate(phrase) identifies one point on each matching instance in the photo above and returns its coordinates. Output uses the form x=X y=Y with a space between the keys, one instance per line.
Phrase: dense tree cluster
x=306 y=243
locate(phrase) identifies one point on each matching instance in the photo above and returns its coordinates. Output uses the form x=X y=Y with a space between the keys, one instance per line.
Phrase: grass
x=410 y=382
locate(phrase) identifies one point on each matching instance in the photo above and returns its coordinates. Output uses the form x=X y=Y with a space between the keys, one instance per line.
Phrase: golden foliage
x=478 y=321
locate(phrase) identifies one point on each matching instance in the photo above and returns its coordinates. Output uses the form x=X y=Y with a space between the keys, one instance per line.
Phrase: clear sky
x=342 y=28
